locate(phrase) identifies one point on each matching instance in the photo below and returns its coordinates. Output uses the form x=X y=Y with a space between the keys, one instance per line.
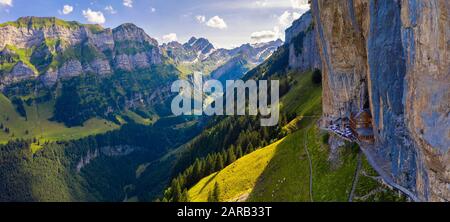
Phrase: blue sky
x=226 y=23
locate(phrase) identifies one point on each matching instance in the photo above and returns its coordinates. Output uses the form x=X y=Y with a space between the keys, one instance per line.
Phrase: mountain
x=388 y=57
x=198 y=54
x=301 y=41
x=189 y=52
x=86 y=71
x=85 y=111
x=51 y=49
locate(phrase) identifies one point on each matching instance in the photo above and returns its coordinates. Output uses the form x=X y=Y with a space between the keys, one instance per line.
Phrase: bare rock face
x=108 y=151
x=130 y=32
x=20 y=72
x=426 y=35
x=75 y=49
x=99 y=66
x=50 y=77
x=301 y=39
x=26 y=37
x=69 y=69
x=103 y=41
x=134 y=48
x=392 y=57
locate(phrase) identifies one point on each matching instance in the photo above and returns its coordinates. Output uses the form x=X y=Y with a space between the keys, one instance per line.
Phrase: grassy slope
x=40 y=127
x=280 y=171
x=235 y=179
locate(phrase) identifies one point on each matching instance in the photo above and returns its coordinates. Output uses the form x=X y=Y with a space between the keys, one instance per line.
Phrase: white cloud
x=284 y=21
x=128 y=3
x=67 y=9
x=263 y=36
x=261 y=3
x=153 y=9
x=300 y=4
x=110 y=9
x=169 y=38
x=200 y=18
x=216 y=22
x=6 y=3
x=94 y=16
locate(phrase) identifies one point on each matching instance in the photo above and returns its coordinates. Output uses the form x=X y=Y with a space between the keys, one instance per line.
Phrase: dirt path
x=384 y=174
x=356 y=178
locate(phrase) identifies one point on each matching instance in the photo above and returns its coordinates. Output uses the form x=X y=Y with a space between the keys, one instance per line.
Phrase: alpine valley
x=85 y=111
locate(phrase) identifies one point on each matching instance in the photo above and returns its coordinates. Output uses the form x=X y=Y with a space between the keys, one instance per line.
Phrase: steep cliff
x=55 y=49
x=301 y=41
x=392 y=57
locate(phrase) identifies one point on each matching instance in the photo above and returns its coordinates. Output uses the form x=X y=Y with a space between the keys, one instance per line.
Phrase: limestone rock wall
x=78 y=49
x=301 y=39
x=392 y=57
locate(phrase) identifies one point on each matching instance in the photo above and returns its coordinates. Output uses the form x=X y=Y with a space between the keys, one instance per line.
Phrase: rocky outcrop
x=108 y=151
x=99 y=66
x=70 y=69
x=132 y=33
x=392 y=57
x=19 y=72
x=73 y=49
x=134 y=49
x=301 y=41
x=27 y=32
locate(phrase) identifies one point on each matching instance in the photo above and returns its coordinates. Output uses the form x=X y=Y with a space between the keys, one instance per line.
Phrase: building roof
x=362 y=116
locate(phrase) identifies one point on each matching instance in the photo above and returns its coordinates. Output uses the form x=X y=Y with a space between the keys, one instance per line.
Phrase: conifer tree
x=231 y=156
x=239 y=152
x=176 y=191
x=184 y=196
x=220 y=163
x=214 y=196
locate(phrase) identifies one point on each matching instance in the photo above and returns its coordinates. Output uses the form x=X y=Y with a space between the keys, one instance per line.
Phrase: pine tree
x=184 y=196
x=250 y=148
x=220 y=163
x=213 y=165
x=208 y=165
x=231 y=156
x=239 y=152
x=176 y=191
x=197 y=170
x=214 y=196
x=224 y=155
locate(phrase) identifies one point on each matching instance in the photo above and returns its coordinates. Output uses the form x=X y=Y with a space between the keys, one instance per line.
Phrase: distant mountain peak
x=129 y=31
x=199 y=44
x=277 y=42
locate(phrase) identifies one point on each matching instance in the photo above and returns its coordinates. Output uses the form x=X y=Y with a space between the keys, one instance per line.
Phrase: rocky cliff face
x=58 y=49
x=301 y=41
x=392 y=57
